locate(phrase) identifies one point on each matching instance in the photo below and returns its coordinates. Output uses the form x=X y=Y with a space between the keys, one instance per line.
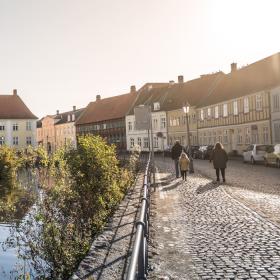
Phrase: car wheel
x=278 y=163
x=253 y=160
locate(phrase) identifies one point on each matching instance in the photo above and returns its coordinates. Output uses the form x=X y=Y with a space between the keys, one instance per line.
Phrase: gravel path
x=200 y=232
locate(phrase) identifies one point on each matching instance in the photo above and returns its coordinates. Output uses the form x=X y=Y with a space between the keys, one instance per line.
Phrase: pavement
x=204 y=230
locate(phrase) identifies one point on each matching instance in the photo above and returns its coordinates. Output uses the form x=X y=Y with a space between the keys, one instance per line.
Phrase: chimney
x=132 y=89
x=98 y=97
x=74 y=108
x=233 y=67
x=14 y=92
x=180 y=79
x=171 y=83
x=57 y=112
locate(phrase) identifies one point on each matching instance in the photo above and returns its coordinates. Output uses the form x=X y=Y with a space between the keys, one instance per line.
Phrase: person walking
x=220 y=158
x=184 y=165
x=176 y=151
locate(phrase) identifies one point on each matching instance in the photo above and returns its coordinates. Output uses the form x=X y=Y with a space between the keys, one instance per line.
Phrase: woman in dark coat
x=220 y=158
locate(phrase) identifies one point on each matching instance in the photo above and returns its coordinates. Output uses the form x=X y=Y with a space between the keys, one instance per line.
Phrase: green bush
x=87 y=187
x=8 y=166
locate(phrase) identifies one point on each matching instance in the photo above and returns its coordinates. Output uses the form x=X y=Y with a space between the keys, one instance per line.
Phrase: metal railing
x=138 y=266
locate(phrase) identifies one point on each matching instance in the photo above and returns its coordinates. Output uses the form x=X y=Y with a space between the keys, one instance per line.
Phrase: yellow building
x=189 y=93
x=17 y=123
x=238 y=111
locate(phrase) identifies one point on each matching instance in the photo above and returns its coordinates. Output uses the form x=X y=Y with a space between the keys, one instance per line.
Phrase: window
x=131 y=142
x=146 y=142
x=276 y=102
x=225 y=110
x=156 y=106
x=235 y=108
x=209 y=112
x=73 y=117
x=277 y=132
x=28 y=140
x=225 y=136
x=246 y=105
x=28 y=126
x=258 y=102
x=162 y=123
x=129 y=125
x=104 y=126
x=2 y=140
x=155 y=123
x=247 y=135
x=15 y=127
x=202 y=115
x=216 y=112
x=265 y=135
x=155 y=142
x=2 y=127
x=15 y=141
x=139 y=141
x=239 y=136
x=69 y=118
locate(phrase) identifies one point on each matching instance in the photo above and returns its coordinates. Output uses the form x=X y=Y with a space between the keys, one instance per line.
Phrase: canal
x=16 y=203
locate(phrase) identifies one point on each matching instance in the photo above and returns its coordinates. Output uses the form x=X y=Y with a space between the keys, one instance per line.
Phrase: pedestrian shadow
x=208 y=187
x=171 y=186
x=167 y=179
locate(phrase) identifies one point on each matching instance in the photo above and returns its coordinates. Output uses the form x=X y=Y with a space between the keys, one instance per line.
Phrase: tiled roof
x=261 y=75
x=63 y=117
x=171 y=97
x=12 y=107
x=110 y=108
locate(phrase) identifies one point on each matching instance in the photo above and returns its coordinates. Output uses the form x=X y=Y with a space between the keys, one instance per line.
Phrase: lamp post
x=186 y=109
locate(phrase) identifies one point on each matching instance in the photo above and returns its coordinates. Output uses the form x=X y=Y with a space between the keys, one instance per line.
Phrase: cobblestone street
x=201 y=232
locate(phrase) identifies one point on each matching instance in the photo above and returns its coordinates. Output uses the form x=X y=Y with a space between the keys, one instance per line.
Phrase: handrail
x=138 y=266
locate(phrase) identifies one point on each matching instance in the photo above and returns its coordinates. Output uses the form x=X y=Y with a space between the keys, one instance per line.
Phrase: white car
x=255 y=153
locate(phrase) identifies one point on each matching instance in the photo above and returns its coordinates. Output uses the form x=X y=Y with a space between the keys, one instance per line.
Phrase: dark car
x=195 y=151
x=205 y=152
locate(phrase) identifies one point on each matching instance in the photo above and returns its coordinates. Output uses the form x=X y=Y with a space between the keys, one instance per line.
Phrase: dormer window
x=156 y=106
x=69 y=118
x=73 y=117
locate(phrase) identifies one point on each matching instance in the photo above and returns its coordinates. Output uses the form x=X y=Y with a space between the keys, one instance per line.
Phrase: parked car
x=205 y=152
x=272 y=155
x=195 y=149
x=255 y=153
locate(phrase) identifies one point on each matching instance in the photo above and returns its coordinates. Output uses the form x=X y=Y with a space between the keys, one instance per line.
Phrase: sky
x=61 y=53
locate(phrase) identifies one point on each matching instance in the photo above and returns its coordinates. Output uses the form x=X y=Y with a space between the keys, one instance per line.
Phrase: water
x=21 y=198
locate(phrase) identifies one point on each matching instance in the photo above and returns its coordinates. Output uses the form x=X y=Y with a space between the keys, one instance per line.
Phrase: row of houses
x=237 y=109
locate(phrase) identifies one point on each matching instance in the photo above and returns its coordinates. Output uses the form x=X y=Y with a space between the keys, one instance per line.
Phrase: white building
x=141 y=137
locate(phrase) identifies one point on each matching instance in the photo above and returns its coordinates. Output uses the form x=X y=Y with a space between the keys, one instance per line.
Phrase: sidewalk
x=200 y=232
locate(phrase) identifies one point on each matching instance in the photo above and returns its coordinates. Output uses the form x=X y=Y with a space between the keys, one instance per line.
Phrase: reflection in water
x=15 y=202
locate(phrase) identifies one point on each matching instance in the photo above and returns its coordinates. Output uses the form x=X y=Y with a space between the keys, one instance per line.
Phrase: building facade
x=236 y=123
x=275 y=115
x=57 y=131
x=106 y=117
x=17 y=122
x=177 y=126
x=243 y=107
x=143 y=138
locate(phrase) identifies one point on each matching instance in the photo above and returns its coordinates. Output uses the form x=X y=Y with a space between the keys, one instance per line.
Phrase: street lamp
x=186 y=109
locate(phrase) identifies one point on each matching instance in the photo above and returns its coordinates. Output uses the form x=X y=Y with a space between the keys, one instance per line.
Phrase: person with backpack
x=175 y=154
